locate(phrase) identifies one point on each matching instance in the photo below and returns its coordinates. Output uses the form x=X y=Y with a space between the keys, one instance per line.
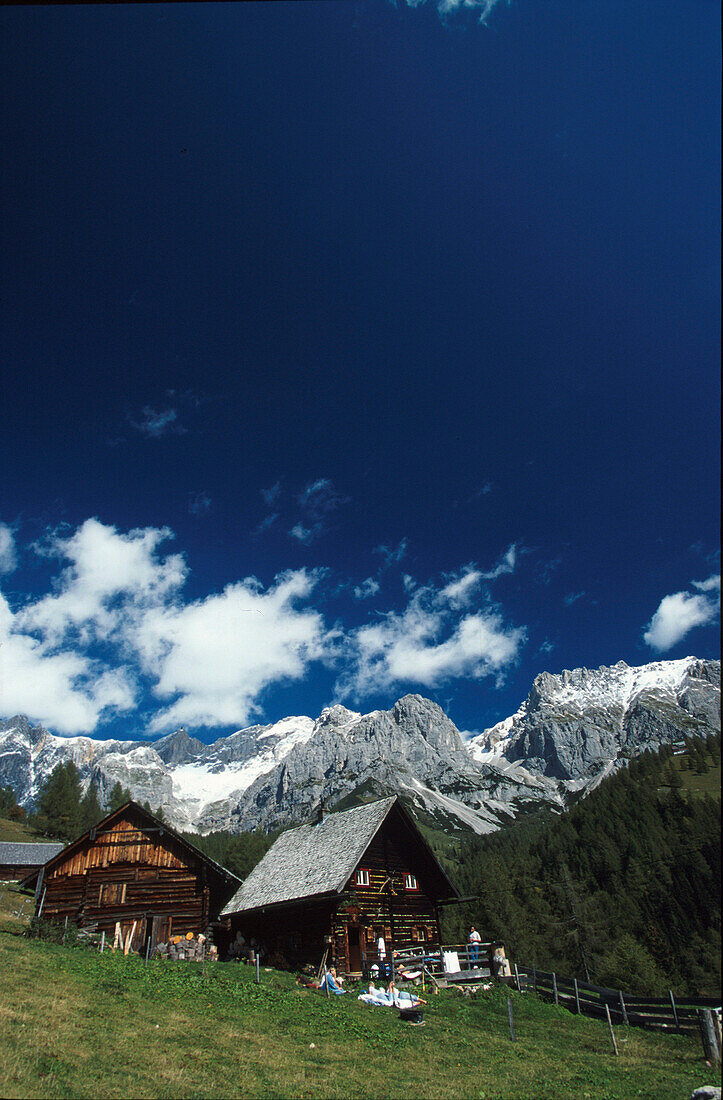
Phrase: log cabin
x=340 y=884
x=20 y=859
x=133 y=870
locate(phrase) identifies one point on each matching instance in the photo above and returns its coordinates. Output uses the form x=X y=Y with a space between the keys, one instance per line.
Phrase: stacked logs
x=191 y=947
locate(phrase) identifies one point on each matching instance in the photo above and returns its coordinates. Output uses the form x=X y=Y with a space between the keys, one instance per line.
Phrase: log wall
x=128 y=873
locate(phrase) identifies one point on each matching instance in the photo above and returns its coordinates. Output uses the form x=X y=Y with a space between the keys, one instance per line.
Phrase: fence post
x=509 y=1014
x=65 y=929
x=708 y=1034
x=102 y=942
x=517 y=979
x=148 y=949
x=534 y=977
x=258 y=971
x=554 y=988
x=577 y=997
x=675 y=1010
x=624 y=1009
x=610 y=1025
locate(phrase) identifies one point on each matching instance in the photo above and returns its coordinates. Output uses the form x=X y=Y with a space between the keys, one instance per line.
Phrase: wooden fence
x=680 y=1014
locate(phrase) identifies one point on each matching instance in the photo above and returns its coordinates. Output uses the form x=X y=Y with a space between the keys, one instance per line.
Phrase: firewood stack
x=189 y=947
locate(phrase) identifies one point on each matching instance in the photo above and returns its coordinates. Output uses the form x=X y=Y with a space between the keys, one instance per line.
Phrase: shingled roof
x=311 y=860
x=315 y=860
x=27 y=854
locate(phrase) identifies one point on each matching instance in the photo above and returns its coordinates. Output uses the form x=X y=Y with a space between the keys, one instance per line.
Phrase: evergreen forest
x=623 y=889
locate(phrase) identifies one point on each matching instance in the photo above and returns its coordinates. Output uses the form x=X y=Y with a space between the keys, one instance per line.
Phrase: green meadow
x=74 y=1023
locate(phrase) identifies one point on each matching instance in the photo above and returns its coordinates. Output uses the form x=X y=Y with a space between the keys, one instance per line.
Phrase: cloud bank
x=115 y=631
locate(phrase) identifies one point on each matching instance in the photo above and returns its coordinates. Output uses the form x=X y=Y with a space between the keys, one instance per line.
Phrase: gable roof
x=316 y=860
x=28 y=854
x=152 y=823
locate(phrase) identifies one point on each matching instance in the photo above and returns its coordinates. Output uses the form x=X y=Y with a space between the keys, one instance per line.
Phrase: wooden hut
x=134 y=870
x=339 y=885
x=20 y=859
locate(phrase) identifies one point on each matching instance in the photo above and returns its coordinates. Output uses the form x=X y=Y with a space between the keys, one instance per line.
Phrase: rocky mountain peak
x=178 y=747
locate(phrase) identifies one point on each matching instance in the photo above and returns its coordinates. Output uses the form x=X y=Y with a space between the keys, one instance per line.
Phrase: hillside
x=74 y=1023
x=626 y=885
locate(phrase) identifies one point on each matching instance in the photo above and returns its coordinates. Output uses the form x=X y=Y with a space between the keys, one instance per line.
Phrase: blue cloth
x=329 y=982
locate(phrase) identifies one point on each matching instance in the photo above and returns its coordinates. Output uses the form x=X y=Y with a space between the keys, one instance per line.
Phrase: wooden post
x=624 y=1009
x=102 y=942
x=42 y=902
x=258 y=971
x=148 y=949
x=577 y=997
x=65 y=929
x=675 y=1010
x=610 y=1025
x=554 y=988
x=203 y=960
x=509 y=1014
x=517 y=979
x=708 y=1034
x=534 y=977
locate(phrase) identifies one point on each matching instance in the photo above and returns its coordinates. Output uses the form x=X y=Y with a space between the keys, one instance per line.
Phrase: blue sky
x=353 y=349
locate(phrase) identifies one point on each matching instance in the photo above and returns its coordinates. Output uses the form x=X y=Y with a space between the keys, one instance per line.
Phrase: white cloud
x=572 y=597
x=506 y=564
x=461 y=590
x=711 y=585
x=317 y=500
x=65 y=690
x=367 y=588
x=429 y=643
x=217 y=655
x=392 y=554
x=109 y=573
x=680 y=612
x=446 y=7
x=8 y=554
x=154 y=423
x=305 y=534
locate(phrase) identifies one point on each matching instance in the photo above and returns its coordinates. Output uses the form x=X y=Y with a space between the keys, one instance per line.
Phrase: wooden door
x=354 y=950
x=160 y=930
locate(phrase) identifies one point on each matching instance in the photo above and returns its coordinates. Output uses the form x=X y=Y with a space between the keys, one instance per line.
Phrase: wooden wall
x=125 y=873
x=405 y=918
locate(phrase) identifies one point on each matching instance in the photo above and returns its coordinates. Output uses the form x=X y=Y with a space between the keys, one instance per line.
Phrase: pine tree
x=118 y=796
x=90 y=809
x=59 y=803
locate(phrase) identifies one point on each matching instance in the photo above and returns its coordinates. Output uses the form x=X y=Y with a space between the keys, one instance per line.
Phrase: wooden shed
x=133 y=869
x=20 y=859
x=340 y=884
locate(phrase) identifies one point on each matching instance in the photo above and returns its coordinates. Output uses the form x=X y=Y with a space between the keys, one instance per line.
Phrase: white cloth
x=474 y=937
x=382 y=948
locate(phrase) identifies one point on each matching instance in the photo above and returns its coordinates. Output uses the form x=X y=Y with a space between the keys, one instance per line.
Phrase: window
x=362 y=877
x=421 y=935
x=410 y=882
x=112 y=893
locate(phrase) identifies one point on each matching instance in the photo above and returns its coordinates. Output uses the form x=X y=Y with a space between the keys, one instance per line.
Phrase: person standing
x=474 y=940
x=382 y=952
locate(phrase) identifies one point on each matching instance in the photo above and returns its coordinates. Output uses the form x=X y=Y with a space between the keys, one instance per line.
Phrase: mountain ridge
x=572 y=729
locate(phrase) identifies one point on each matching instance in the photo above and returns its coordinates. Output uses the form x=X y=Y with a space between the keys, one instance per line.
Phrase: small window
x=112 y=893
x=362 y=877
x=421 y=935
x=410 y=882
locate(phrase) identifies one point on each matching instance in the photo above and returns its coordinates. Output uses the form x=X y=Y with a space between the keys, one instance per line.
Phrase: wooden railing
x=671 y=1013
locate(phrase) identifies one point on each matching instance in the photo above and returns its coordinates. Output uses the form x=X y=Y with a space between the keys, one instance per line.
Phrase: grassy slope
x=73 y=1024
x=18 y=831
